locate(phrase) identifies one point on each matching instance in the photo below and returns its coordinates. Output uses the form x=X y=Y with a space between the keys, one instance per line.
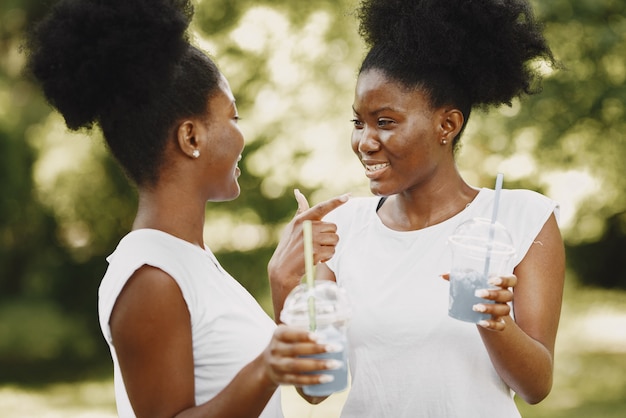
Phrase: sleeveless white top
x=229 y=328
x=408 y=359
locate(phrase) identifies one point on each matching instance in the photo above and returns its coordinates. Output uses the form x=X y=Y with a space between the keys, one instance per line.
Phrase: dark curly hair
x=465 y=53
x=127 y=66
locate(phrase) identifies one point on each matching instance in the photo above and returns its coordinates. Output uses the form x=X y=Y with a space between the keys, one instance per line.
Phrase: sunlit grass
x=80 y=400
x=590 y=373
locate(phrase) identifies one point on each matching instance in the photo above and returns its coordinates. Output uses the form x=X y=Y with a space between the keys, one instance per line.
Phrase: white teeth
x=376 y=166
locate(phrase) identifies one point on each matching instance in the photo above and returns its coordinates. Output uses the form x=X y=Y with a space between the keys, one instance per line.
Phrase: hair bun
x=90 y=55
x=486 y=46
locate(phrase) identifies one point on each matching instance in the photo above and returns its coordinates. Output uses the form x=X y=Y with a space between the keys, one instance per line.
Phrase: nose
x=365 y=141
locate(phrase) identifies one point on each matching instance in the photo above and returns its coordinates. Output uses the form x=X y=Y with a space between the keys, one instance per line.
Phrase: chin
x=227 y=196
x=385 y=189
x=233 y=196
x=379 y=191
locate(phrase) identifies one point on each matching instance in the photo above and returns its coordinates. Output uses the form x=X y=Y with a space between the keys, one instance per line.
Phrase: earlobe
x=451 y=124
x=187 y=140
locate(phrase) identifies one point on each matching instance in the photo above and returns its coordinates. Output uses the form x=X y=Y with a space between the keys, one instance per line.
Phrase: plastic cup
x=480 y=250
x=332 y=313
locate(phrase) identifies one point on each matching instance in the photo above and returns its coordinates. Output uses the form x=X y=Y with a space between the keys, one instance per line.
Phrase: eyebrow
x=379 y=110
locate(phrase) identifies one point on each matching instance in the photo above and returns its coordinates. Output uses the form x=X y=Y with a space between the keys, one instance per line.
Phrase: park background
x=292 y=64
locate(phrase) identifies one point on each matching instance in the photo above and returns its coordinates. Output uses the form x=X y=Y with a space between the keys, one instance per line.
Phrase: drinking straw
x=496 y=199
x=494 y=217
x=308 y=269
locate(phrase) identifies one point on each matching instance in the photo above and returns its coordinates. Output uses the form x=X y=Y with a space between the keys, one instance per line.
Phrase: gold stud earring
x=195 y=153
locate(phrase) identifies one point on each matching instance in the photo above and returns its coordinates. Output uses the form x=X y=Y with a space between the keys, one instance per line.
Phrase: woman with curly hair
x=186 y=339
x=429 y=64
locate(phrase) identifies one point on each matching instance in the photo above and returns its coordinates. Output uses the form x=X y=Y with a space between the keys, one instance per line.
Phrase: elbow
x=535 y=399
x=537 y=393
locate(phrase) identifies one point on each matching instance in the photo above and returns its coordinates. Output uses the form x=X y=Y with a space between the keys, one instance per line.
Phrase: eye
x=357 y=123
x=382 y=123
x=236 y=118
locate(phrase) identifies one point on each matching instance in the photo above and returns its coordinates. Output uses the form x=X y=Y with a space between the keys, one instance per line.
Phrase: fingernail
x=484 y=324
x=333 y=348
x=344 y=197
x=314 y=337
x=326 y=378
x=495 y=281
x=481 y=293
x=479 y=307
x=334 y=364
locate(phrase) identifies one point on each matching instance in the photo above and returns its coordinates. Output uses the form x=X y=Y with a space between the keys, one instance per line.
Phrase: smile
x=375 y=167
x=375 y=171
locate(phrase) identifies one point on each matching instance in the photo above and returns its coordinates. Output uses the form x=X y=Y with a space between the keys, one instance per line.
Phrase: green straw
x=308 y=269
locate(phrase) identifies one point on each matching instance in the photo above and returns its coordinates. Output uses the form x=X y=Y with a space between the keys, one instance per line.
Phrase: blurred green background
x=64 y=204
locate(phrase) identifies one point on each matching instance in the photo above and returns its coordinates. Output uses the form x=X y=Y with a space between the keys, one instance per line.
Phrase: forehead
x=375 y=89
x=224 y=86
x=222 y=96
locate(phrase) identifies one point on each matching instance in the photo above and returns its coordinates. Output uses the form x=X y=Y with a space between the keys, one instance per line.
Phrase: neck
x=173 y=212
x=414 y=210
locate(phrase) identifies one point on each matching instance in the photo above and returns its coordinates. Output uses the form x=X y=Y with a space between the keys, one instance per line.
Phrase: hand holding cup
x=297 y=357
x=500 y=297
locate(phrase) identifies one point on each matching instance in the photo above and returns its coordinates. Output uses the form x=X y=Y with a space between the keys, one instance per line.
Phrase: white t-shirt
x=229 y=328
x=408 y=359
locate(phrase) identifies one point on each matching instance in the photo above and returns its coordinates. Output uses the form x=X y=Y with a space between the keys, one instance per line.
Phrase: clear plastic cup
x=480 y=250
x=332 y=312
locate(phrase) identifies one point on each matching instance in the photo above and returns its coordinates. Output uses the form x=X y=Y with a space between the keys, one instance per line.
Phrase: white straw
x=494 y=217
x=496 y=199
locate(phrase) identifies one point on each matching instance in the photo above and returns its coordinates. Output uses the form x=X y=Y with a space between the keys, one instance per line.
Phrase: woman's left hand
x=501 y=296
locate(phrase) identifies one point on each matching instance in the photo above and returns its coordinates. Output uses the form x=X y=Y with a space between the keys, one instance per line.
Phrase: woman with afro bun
x=429 y=64
x=186 y=339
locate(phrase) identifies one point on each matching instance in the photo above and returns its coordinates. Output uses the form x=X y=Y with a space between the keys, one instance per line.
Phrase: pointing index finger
x=320 y=210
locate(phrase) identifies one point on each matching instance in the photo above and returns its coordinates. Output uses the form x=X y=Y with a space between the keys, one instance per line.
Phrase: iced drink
x=480 y=250
x=337 y=337
x=331 y=309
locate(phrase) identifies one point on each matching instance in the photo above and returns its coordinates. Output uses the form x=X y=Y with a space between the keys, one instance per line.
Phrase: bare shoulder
x=150 y=297
x=539 y=291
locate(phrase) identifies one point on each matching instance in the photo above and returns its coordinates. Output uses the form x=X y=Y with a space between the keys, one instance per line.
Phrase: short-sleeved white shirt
x=408 y=359
x=229 y=328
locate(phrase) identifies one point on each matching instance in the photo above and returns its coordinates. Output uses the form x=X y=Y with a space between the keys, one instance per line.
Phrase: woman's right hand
x=283 y=361
x=286 y=267
x=288 y=258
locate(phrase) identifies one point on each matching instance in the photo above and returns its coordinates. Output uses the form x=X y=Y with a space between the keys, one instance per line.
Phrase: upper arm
x=151 y=330
x=539 y=291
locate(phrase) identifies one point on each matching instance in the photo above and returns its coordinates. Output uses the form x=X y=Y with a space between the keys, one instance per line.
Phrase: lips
x=237 y=169
x=374 y=170
x=375 y=167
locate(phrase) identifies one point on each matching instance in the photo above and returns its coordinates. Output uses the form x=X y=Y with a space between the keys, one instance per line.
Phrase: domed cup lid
x=330 y=301
x=478 y=234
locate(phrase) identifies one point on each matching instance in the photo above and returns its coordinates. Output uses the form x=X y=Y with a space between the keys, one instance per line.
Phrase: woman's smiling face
x=397 y=134
x=224 y=145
